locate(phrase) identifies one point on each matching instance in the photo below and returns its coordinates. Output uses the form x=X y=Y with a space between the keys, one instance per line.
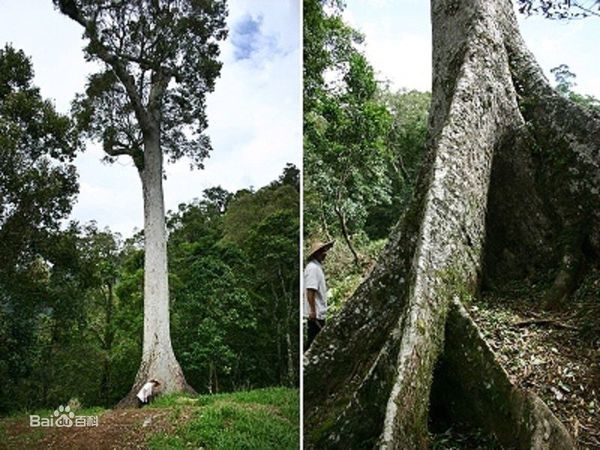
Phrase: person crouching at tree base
x=148 y=392
x=315 y=290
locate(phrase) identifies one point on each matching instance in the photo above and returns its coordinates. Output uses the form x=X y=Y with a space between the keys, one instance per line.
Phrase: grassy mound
x=259 y=419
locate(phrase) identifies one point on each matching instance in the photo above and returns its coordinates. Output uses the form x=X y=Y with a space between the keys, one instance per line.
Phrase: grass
x=259 y=419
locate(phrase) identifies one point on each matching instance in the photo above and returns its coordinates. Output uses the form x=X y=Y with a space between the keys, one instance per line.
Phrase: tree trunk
x=368 y=375
x=107 y=344
x=290 y=301
x=158 y=358
x=346 y=235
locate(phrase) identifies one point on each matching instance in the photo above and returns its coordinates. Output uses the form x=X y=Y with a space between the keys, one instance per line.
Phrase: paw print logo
x=64 y=416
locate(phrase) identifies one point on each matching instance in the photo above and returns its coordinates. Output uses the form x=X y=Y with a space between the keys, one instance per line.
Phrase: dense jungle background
x=71 y=312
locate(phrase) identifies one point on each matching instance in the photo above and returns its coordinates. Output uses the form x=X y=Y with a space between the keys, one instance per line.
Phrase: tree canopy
x=37 y=182
x=234 y=302
x=158 y=59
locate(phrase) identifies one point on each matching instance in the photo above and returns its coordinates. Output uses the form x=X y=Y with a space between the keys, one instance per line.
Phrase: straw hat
x=319 y=246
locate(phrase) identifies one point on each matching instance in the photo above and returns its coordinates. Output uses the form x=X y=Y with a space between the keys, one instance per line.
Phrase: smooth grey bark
x=158 y=358
x=368 y=374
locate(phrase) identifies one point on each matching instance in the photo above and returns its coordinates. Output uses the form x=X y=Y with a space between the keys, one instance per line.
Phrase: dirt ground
x=117 y=429
x=550 y=354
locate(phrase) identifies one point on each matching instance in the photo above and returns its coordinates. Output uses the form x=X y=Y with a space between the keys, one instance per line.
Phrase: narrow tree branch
x=113 y=147
x=99 y=49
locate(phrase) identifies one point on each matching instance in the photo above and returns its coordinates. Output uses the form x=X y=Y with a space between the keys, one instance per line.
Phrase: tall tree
x=159 y=60
x=37 y=183
x=507 y=189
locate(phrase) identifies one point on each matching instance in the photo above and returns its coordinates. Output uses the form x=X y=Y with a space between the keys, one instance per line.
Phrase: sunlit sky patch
x=398 y=43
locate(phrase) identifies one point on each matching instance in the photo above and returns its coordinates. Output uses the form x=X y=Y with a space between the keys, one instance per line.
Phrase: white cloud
x=254 y=114
x=398 y=43
x=397 y=40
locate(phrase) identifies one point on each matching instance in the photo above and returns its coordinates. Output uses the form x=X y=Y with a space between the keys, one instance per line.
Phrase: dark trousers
x=141 y=404
x=314 y=327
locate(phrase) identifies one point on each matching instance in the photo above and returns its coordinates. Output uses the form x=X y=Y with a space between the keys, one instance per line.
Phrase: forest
x=71 y=289
x=203 y=299
x=71 y=312
x=523 y=314
x=362 y=148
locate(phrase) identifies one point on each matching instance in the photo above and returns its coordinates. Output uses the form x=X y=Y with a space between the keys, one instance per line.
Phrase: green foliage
x=362 y=142
x=565 y=84
x=37 y=183
x=37 y=188
x=406 y=143
x=213 y=317
x=260 y=419
x=343 y=277
x=327 y=43
x=248 y=209
x=67 y=313
x=159 y=60
x=234 y=282
x=345 y=127
x=363 y=145
x=345 y=152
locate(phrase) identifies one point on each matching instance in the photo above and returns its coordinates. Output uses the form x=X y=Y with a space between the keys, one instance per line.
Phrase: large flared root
x=162 y=367
x=472 y=390
x=368 y=375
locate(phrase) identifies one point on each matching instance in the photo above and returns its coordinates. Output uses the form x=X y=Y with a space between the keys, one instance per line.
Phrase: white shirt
x=145 y=392
x=314 y=278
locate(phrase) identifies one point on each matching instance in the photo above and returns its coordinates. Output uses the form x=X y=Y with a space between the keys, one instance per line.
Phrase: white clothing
x=145 y=392
x=314 y=278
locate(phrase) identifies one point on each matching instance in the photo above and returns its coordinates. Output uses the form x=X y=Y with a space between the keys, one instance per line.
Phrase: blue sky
x=398 y=43
x=248 y=38
x=254 y=114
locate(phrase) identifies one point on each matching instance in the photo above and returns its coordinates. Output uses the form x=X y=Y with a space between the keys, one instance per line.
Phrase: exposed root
x=167 y=371
x=474 y=390
x=553 y=322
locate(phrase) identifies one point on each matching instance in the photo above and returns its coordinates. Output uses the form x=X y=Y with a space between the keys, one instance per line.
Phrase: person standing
x=315 y=290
